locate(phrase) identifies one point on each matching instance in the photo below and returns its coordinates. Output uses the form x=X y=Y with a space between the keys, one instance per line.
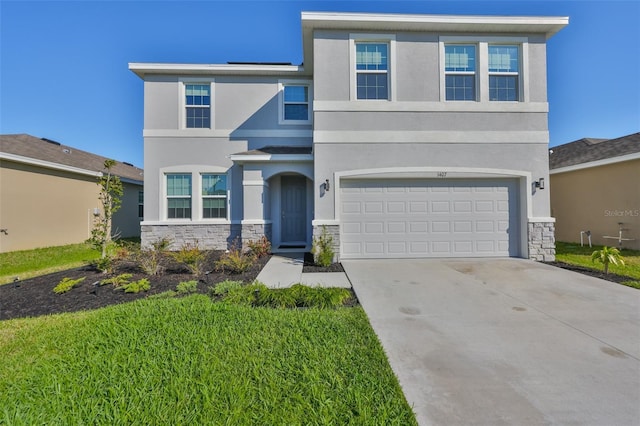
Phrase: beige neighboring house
x=595 y=187
x=49 y=194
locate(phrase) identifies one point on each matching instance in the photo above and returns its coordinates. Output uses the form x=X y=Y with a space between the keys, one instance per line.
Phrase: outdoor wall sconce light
x=326 y=185
x=540 y=183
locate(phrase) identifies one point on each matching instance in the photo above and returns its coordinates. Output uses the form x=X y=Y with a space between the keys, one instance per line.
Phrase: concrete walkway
x=284 y=270
x=505 y=341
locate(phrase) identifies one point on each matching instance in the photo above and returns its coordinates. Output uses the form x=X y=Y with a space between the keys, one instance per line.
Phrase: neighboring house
x=49 y=192
x=595 y=188
x=401 y=135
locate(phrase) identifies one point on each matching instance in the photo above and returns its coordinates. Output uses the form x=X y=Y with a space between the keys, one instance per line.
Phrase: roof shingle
x=47 y=150
x=587 y=150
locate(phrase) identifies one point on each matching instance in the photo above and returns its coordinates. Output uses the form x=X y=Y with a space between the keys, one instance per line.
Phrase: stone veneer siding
x=207 y=236
x=334 y=231
x=542 y=242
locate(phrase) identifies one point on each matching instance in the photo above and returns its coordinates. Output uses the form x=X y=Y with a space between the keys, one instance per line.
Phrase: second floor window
x=179 y=196
x=296 y=103
x=503 y=73
x=198 y=106
x=214 y=196
x=372 y=70
x=460 y=72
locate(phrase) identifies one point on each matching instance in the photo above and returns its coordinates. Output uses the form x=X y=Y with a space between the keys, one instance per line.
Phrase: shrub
x=235 y=261
x=67 y=284
x=607 y=256
x=137 y=286
x=246 y=295
x=298 y=295
x=103 y=264
x=187 y=287
x=224 y=287
x=191 y=256
x=118 y=281
x=150 y=260
x=322 y=248
x=260 y=247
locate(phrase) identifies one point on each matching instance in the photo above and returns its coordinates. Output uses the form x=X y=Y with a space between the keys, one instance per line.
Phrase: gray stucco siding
x=238 y=103
x=331 y=158
x=161 y=102
x=429 y=121
x=417 y=65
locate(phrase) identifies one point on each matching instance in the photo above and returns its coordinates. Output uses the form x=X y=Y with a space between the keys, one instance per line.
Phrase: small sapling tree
x=607 y=256
x=110 y=193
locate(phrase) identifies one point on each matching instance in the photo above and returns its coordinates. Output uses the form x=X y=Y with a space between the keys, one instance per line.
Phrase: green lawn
x=573 y=254
x=31 y=263
x=191 y=361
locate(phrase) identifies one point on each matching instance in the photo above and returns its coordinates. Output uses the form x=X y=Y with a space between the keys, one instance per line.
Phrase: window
x=296 y=103
x=372 y=70
x=503 y=73
x=140 y=204
x=198 y=106
x=460 y=72
x=214 y=196
x=179 y=196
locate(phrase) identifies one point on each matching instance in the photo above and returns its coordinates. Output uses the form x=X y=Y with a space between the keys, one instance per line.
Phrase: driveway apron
x=505 y=341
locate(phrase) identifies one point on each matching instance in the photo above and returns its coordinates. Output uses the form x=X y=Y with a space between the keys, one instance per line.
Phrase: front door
x=293 y=210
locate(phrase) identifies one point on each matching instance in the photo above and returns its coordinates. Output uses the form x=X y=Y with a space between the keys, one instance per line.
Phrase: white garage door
x=395 y=218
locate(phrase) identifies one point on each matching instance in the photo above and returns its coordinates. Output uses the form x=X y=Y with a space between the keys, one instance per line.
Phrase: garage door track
x=505 y=341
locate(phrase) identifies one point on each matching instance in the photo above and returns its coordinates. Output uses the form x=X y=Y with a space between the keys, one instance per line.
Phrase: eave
x=457 y=24
x=142 y=69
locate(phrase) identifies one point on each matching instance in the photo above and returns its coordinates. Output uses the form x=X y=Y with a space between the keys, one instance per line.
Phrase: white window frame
x=196 y=172
x=390 y=40
x=505 y=73
x=183 y=82
x=482 y=65
x=204 y=197
x=281 y=102
x=475 y=73
x=168 y=197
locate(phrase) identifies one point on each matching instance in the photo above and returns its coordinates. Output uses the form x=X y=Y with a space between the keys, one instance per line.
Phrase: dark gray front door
x=293 y=209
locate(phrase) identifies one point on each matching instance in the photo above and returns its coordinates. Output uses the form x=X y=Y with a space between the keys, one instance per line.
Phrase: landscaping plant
x=260 y=247
x=137 y=286
x=191 y=256
x=187 y=287
x=322 y=248
x=117 y=281
x=235 y=261
x=67 y=284
x=109 y=195
x=607 y=256
x=224 y=287
x=150 y=260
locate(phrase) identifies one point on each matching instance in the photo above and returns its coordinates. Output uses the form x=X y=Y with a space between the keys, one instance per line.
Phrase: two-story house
x=401 y=135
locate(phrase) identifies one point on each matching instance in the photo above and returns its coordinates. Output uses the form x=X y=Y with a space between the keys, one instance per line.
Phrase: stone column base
x=334 y=231
x=542 y=241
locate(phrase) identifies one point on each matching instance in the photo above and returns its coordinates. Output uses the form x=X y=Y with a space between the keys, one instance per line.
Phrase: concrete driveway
x=505 y=341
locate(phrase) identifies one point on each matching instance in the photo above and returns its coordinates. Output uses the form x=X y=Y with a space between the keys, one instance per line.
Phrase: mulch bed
x=35 y=296
x=598 y=274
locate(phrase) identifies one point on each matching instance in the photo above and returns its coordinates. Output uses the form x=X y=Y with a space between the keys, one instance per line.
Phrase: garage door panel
x=428 y=218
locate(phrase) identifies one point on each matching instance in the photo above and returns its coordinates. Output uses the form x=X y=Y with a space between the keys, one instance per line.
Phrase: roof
x=365 y=22
x=48 y=153
x=589 y=150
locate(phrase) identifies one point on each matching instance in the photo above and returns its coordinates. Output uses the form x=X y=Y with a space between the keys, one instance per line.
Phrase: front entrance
x=293 y=207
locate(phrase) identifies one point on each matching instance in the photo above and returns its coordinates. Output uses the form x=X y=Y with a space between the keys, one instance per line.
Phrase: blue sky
x=64 y=75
